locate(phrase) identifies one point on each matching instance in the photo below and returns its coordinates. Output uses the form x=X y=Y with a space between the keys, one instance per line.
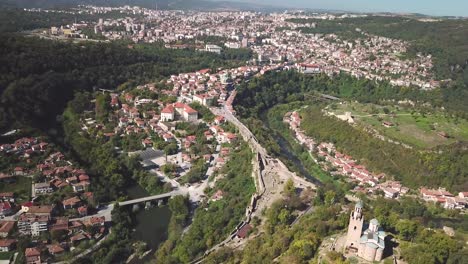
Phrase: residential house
x=55 y=249
x=7 y=196
x=71 y=203
x=81 y=186
x=33 y=256
x=5 y=208
x=59 y=223
x=41 y=210
x=167 y=114
x=42 y=188
x=6 y=227
x=6 y=245
x=95 y=221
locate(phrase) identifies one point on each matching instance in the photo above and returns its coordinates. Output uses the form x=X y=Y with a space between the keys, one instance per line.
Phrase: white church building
x=370 y=243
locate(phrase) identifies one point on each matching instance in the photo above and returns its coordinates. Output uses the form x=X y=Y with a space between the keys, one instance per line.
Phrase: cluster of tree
x=38 y=77
x=212 y=222
x=112 y=172
x=115 y=249
x=280 y=241
x=197 y=172
x=13 y=20
x=412 y=167
x=203 y=112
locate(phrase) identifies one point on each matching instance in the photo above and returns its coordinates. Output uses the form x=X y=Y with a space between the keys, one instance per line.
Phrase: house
x=434 y=195
x=81 y=186
x=41 y=210
x=219 y=120
x=6 y=227
x=71 y=202
x=42 y=188
x=55 y=249
x=387 y=124
x=213 y=48
x=61 y=223
x=77 y=238
x=203 y=99
x=168 y=137
x=33 y=256
x=7 y=196
x=83 y=211
x=6 y=245
x=218 y=195
x=95 y=221
x=83 y=177
x=190 y=114
x=19 y=171
x=243 y=232
x=309 y=68
x=72 y=180
x=186 y=112
x=167 y=114
x=5 y=208
x=147 y=143
x=390 y=193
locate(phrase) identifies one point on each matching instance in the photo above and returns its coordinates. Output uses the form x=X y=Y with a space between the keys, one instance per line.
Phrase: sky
x=429 y=7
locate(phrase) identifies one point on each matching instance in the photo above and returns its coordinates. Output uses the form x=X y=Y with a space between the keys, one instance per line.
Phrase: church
x=370 y=243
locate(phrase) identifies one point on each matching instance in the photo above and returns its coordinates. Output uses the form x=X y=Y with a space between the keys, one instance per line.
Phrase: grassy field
x=414 y=128
x=6 y=255
x=21 y=188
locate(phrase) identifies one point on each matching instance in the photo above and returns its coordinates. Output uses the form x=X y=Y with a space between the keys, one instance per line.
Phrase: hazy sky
x=431 y=7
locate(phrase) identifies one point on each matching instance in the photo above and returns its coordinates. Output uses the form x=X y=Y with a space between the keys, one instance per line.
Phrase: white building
x=167 y=114
x=32 y=224
x=213 y=48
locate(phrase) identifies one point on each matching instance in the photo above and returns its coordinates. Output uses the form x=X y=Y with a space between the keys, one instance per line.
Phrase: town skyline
x=430 y=7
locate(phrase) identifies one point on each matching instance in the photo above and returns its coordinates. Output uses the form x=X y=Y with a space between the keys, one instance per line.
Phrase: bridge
x=151 y=198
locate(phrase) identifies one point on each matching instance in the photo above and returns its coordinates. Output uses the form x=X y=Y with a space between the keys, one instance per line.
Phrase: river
x=287 y=152
x=151 y=224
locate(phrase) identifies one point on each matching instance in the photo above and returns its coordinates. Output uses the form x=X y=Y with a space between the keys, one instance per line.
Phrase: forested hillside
x=414 y=168
x=38 y=77
x=14 y=20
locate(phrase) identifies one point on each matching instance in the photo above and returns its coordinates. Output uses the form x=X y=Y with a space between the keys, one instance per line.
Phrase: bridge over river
x=152 y=198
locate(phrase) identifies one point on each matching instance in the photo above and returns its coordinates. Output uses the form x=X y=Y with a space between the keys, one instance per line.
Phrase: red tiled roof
x=168 y=110
x=32 y=252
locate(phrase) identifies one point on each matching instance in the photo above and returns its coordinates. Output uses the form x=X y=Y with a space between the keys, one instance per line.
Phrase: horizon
x=426 y=7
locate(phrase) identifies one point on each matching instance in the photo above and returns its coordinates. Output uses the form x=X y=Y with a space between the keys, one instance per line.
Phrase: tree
x=289 y=189
x=330 y=197
x=58 y=235
x=407 y=229
x=284 y=216
x=170 y=149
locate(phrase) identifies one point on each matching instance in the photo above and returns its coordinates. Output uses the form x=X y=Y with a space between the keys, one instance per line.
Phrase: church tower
x=356 y=222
